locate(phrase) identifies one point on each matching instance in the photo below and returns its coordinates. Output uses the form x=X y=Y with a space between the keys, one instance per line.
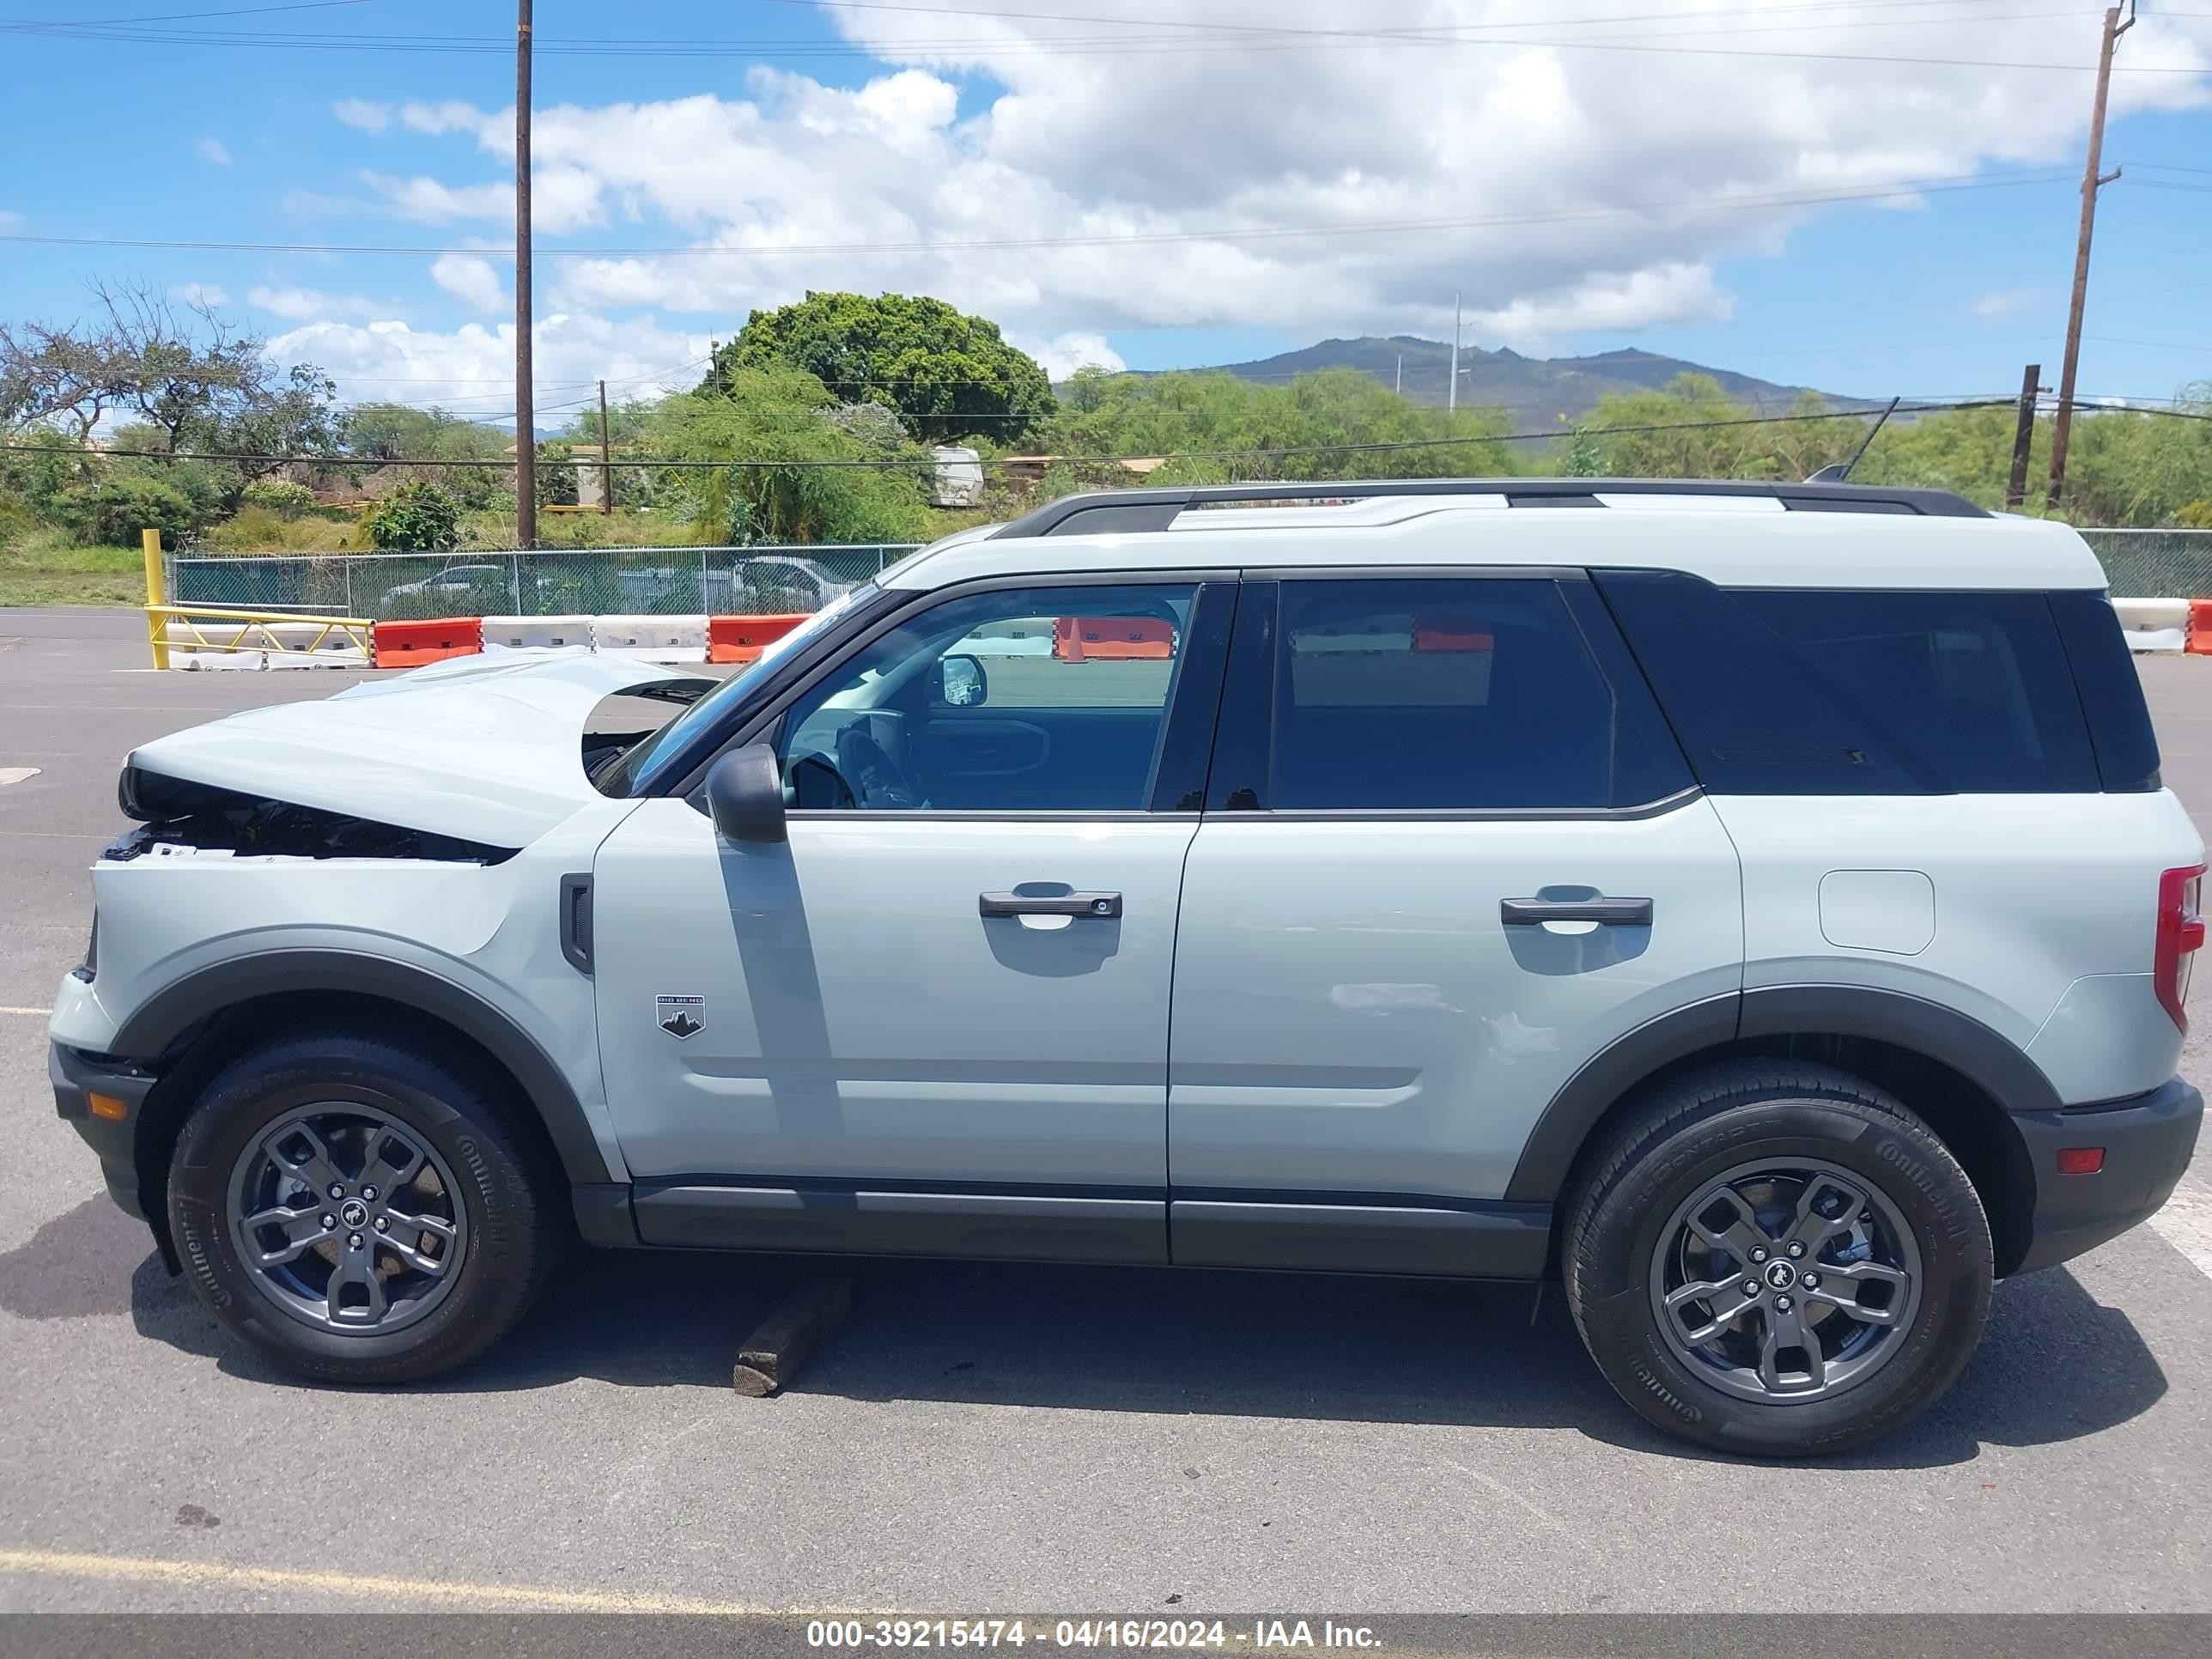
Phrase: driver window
x=1041 y=699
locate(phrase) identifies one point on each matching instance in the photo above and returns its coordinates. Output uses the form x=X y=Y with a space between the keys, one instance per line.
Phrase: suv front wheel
x=1777 y=1259
x=358 y=1210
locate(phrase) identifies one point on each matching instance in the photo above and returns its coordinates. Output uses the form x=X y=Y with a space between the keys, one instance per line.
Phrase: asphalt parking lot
x=986 y=1439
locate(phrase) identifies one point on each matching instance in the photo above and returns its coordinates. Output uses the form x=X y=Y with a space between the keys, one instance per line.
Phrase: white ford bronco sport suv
x=1755 y=904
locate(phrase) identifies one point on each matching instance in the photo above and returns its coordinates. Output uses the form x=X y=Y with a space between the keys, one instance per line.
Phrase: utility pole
x=2092 y=181
x=1451 y=396
x=1402 y=374
x=606 y=459
x=2023 y=435
x=526 y=412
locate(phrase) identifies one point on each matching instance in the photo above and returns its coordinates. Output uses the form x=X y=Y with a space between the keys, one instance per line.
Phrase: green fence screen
x=612 y=581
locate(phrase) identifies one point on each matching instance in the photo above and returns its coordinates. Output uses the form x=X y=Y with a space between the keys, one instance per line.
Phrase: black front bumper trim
x=76 y=1075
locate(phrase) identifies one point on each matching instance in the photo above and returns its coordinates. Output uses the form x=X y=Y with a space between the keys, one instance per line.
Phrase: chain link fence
x=756 y=580
x=2154 y=564
x=611 y=581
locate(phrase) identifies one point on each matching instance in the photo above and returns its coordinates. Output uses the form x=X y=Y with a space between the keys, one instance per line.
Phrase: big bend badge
x=680 y=1017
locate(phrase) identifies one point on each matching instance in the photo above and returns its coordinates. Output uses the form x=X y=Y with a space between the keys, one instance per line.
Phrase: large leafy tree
x=834 y=485
x=946 y=374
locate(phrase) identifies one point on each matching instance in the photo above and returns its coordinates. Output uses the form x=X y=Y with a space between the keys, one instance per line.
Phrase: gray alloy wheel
x=347 y=1219
x=1786 y=1280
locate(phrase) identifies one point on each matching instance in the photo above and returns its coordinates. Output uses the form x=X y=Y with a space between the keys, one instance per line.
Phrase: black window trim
x=1901 y=753
x=1213 y=583
x=1247 y=713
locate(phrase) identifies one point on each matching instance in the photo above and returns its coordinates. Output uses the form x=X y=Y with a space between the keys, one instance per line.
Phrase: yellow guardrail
x=222 y=628
x=216 y=627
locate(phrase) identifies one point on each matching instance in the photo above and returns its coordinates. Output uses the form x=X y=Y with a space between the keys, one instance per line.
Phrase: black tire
x=1672 y=1149
x=460 y=1117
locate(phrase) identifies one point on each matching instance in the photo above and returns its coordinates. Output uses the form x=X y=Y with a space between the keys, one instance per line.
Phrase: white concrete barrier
x=2152 y=613
x=347 y=656
x=651 y=638
x=2157 y=639
x=528 y=633
x=2154 y=625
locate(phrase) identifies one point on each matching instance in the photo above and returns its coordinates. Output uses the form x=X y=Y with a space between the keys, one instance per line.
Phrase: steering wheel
x=871 y=773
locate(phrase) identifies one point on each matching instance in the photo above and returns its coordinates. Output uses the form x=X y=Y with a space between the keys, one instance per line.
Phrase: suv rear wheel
x=360 y=1211
x=1777 y=1259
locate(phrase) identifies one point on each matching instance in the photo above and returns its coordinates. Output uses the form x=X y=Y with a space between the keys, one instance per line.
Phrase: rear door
x=1451 y=852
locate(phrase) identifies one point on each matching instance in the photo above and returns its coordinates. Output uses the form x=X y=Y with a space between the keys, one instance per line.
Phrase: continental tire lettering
x=1682 y=1408
x=1908 y=1163
x=496 y=1227
x=201 y=1265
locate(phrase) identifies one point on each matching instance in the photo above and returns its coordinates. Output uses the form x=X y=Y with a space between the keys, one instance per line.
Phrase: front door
x=947 y=992
x=1456 y=854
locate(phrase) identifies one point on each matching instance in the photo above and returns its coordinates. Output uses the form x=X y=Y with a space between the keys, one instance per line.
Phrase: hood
x=485 y=749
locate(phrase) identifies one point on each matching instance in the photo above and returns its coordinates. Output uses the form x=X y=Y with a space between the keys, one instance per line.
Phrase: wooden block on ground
x=772 y=1355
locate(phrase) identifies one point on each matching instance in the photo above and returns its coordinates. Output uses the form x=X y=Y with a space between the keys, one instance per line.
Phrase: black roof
x=1104 y=512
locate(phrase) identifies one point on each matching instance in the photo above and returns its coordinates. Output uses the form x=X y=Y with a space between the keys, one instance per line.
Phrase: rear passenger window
x=1472 y=694
x=1800 y=691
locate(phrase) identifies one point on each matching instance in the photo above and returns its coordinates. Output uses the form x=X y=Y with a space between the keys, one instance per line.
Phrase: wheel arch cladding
x=200 y=1024
x=1964 y=1079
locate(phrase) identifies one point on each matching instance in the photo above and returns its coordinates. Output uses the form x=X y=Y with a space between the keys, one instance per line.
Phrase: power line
x=173 y=16
x=1389 y=447
x=1211 y=37
x=1344 y=35
x=970 y=48
x=1894 y=191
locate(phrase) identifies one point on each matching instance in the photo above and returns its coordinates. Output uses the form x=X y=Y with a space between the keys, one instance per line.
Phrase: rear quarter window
x=1823 y=691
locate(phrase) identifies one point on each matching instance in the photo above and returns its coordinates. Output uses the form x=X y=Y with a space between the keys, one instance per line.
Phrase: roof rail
x=1107 y=511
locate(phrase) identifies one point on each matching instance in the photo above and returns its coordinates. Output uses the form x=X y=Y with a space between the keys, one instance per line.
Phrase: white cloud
x=1611 y=301
x=436 y=204
x=472 y=281
x=10 y=219
x=469 y=370
x=212 y=149
x=449 y=117
x=200 y=294
x=1061 y=355
x=301 y=304
x=362 y=113
x=2005 y=302
x=1107 y=189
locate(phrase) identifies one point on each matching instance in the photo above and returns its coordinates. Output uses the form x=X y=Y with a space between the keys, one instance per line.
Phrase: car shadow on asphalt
x=2054 y=1365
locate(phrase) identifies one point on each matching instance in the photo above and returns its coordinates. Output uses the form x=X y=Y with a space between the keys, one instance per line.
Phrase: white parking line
x=2185 y=1222
x=39 y=1014
x=211 y=1575
x=17 y=774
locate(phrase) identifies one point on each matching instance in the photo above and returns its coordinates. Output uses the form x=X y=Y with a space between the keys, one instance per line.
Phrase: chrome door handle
x=1606 y=912
x=1105 y=905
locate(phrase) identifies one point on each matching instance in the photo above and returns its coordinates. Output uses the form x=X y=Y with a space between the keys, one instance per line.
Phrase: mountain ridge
x=1537 y=392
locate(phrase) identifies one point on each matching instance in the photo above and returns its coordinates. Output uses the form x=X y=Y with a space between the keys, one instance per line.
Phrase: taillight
x=2180 y=931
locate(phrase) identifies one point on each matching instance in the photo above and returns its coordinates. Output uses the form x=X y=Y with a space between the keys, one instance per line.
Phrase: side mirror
x=962 y=682
x=745 y=794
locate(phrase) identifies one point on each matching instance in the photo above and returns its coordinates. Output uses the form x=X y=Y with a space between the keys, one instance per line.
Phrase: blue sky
x=817 y=129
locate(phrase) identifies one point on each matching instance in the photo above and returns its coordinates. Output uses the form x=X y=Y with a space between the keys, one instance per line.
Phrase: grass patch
x=41 y=568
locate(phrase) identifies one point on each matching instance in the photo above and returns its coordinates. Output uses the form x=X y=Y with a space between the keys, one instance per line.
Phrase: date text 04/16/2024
x=1260 y=1635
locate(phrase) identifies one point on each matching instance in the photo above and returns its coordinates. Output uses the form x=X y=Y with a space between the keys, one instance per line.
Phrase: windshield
x=617 y=779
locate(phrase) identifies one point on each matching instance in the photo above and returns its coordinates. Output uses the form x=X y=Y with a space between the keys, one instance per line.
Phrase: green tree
x=1219 y=429
x=383 y=433
x=837 y=487
x=286 y=499
x=415 y=517
x=948 y=375
x=111 y=511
